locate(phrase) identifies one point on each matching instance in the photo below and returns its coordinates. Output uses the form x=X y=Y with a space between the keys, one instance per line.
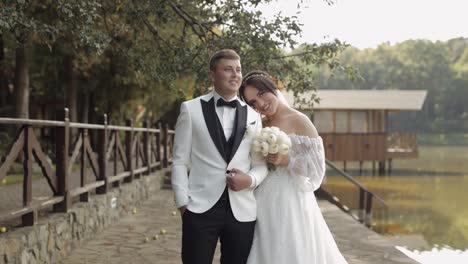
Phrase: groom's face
x=227 y=77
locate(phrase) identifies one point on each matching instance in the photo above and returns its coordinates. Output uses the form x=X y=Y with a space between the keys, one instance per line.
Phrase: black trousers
x=200 y=233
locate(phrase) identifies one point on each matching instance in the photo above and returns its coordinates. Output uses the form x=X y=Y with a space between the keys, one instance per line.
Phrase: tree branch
x=200 y=29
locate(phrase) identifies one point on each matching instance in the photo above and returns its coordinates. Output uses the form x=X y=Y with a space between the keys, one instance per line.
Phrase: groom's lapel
x=209 y=114
x=240 y=125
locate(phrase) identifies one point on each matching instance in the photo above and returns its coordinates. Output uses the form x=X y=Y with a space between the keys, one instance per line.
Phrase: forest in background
x=439 y=67
x=138 y=59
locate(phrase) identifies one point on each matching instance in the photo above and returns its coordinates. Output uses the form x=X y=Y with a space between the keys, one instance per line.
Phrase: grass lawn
x=17 y=178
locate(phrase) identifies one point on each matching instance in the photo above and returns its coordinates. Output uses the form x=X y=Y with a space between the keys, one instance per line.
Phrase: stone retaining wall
x=55 y=235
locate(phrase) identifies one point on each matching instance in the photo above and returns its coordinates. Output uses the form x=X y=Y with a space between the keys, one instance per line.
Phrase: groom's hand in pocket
x=182 y=210
x=237 y=180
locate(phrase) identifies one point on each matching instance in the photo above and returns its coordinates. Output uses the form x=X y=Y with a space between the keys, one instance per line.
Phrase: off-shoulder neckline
x=304 y=136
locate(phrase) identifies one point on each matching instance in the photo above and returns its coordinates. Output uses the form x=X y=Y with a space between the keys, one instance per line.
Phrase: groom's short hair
x=223 y=54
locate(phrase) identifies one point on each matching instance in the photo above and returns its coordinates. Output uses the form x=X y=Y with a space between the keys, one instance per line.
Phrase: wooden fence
x=142 y=151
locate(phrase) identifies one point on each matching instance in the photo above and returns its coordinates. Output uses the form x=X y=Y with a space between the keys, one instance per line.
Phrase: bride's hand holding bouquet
x=272 y=144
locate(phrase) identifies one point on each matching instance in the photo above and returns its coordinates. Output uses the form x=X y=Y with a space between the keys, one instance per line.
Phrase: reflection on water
x=432 y=204
x=437 y=255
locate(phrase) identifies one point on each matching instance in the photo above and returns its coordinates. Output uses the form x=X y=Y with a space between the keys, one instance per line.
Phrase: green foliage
x=46 y=21
x=134 y=55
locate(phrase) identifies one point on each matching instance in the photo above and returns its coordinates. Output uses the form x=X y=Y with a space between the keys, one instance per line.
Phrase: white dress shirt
x=226 y=115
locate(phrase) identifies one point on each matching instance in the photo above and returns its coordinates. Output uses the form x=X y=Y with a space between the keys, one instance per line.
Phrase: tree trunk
x=85 y=107
x=92 y=117
x=3 y=81
x=21 y=83
x=71 y=90
x=71 y=93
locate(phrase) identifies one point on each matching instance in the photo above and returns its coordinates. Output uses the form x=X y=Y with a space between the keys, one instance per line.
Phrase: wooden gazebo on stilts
x=354 y=124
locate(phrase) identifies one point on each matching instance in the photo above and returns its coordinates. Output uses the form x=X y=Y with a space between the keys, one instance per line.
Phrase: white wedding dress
x=290 y=227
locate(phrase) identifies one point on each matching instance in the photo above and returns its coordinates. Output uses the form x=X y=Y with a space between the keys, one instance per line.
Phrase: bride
x=290 y=227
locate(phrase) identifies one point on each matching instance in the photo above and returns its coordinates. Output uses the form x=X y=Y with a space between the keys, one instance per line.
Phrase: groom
x=213 y=176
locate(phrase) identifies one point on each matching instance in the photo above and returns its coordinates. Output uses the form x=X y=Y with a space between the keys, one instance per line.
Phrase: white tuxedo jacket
x=199 y=163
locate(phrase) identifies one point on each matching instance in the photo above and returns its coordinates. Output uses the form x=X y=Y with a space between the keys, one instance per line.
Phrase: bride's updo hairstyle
x=260 y=80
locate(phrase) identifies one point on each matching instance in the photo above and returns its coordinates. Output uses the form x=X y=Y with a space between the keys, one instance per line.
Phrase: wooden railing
x=403 y=141
x=366 y=197
x=402 y=145
x=146 y=150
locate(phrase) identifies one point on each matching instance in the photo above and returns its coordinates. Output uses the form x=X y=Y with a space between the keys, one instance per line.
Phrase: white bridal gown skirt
x=290 y=227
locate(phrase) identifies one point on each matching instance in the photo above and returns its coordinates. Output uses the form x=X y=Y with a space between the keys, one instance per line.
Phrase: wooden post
x=158 y=142
x=116 y=153
x=390 y=166
x=128 y=150
x=152 y=157
x=102 y=161
x=146 y=148
x=348 y=128
x=361 y=205
x=30 y=218
x=84 y=197
x=367 y=122
x=334 y=121
x=360 y=167
x=386 y=121
x=137 y=154
x=368 y=219
x=381 y=168
x=165 y=141
x=62 y=135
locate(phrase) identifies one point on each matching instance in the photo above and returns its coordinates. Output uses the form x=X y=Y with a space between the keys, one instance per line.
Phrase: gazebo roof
x=393 y=100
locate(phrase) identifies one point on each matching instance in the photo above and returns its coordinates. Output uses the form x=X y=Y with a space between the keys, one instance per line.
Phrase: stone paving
x=132 y=239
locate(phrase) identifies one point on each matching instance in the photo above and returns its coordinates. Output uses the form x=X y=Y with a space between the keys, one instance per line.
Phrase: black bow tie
x=221 y=102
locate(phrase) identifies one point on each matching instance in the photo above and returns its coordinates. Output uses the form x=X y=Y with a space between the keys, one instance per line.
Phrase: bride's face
x=264 y=102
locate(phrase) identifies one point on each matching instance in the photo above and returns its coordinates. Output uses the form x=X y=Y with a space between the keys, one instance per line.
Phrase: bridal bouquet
x=269 y=140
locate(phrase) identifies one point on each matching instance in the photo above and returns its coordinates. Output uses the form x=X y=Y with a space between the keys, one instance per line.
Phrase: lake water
x=427 y=196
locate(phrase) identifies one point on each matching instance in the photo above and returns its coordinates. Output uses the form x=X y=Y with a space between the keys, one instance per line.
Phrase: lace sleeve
x=307 y=163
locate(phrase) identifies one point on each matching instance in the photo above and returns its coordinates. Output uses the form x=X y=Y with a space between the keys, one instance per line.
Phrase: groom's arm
x=181 y=156
x=252 y=178
x=258 y=173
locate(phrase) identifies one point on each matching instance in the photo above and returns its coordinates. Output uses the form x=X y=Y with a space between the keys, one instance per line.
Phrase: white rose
x=271 y=139
x=264 y=147
x=284 y=139
x=283 y=149
x=256 y=146
x=266 y=130
x=264 y=136
x=273 y=149
x=251 y=132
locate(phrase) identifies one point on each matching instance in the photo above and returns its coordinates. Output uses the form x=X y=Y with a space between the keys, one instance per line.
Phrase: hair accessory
x=256 y=75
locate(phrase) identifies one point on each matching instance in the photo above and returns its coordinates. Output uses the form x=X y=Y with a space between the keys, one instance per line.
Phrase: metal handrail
x=365 y=196
x=356 y=183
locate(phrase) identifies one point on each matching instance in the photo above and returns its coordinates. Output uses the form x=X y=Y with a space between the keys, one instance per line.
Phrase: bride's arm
x=306 y=163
